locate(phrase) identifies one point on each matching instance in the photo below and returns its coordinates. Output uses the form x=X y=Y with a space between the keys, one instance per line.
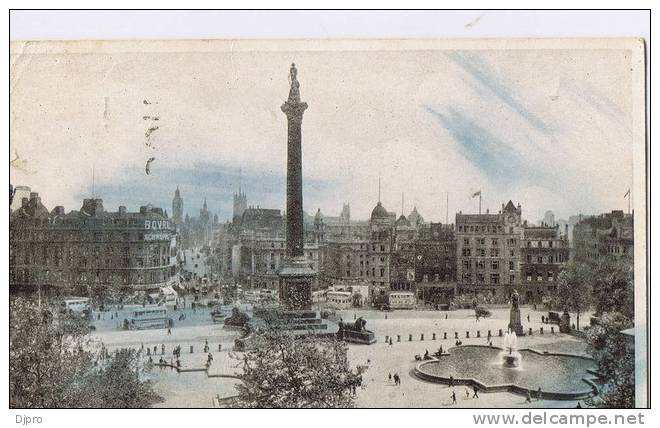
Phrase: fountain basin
x=560 y=376
x=511 y=360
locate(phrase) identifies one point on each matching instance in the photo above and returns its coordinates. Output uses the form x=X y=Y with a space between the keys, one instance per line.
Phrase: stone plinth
x=565 y=323
x=514 y=321
x=296 y=279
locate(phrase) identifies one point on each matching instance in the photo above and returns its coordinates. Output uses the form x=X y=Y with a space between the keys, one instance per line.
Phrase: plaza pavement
x=197 y=389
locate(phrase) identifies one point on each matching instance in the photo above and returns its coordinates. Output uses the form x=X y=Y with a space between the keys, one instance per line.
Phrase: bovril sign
x=156 y=224
x=157 y=230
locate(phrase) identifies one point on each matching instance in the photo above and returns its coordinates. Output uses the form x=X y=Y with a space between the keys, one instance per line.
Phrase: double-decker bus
x=147 y=317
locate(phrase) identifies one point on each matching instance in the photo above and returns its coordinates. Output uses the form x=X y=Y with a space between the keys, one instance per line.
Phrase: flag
x=627 y=193
x=477 y=193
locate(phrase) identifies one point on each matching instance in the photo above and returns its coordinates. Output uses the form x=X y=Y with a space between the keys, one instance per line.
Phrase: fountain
x=510 y=356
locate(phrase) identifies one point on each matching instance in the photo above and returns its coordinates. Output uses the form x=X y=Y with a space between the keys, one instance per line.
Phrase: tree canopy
x=283 y=371
x=52 y=365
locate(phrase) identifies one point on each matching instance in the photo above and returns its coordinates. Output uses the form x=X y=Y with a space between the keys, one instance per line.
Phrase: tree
x=52 y=365
x=615 y=356
x=574 y=289
x=614 y=287
x=284 y=371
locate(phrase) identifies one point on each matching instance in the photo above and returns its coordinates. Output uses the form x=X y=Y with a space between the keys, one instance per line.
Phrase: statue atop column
x=294 y=92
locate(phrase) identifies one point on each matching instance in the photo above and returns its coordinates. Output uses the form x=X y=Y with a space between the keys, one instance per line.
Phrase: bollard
x=478 y=333
x=433 y=336
x=455 y=335
x=552 y=330
x=191 y=349
x=530 y=331
x=410 y=338
x=421 y=337
x=500 y=333
x=398 y=338
x=541 y=330
x=467 y=334
x=445 y=336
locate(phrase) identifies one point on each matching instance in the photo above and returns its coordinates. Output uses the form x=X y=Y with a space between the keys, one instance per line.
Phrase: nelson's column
x=296 y=274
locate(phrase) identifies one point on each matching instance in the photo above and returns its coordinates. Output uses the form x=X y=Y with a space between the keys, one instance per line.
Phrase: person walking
x=527 y=317
x=538 y=394
x=528 y=399
x=453 y=397
x=476 y=392
x=467 y=394
x=169 y=331
x=389 y=377
x=162 y=348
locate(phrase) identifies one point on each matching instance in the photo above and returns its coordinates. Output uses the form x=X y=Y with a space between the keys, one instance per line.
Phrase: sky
x=547 y=128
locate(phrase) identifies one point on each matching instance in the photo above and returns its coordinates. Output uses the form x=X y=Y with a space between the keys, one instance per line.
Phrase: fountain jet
x=510 y=356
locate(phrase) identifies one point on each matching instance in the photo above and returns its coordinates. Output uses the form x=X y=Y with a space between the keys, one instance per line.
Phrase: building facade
x=91 y=247
x=544 y=253
x=606 y=235
x=488 y=253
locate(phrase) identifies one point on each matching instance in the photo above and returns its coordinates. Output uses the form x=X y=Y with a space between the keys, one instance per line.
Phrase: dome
x=379 y=211
x=402 y=221
x=415 y=218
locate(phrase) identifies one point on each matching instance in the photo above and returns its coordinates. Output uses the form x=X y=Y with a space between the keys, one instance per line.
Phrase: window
x=494 y=252
x=466 y=241
x=466 y=252
x=480 y=277
x=539 y=259
x=467 y=264
x=495 y=242
x=494 y=278
x=550 y=259
x=551 y=276
x=510 y=265
x=495 y=265
x=512 y=279
x=481 y=265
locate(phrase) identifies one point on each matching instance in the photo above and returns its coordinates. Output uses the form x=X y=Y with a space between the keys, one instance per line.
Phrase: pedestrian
x=476 y=392
x=155 y=349
x=528 y=399
x=451 y=381
x=390 y=341
x=169 y=331
x=162 y=348
x=453 y=397
x=579 y=406
x=527 y=317
x=538 y=393
x=467 y=394
x=446 y=315
x=389 y=377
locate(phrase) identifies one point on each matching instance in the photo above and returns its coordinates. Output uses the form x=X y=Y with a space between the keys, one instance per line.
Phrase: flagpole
x=447 y=212
x=479 y=202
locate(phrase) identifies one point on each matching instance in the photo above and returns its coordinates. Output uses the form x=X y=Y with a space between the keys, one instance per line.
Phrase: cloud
x=484 y=80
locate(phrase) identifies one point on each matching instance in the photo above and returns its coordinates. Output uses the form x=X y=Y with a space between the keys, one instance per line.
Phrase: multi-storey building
x=544 y=252
x=435 y=263
x=81 y=250
x=605 y=235
x=488 y=253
